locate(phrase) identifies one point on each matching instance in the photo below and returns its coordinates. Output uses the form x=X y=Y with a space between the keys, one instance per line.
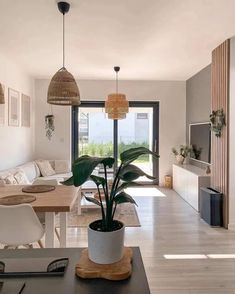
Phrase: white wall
x=16 y=143
x=232 y=136
x=172 y=97
x=59 y=147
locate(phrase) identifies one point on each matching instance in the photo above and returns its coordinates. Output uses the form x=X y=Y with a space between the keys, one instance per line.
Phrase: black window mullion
x=115 y=143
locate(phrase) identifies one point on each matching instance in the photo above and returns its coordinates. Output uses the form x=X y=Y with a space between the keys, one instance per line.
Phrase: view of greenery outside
x=99 y=149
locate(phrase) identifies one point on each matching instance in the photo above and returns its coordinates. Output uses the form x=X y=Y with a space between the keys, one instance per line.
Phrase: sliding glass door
x=137 y=131
x=96 y=135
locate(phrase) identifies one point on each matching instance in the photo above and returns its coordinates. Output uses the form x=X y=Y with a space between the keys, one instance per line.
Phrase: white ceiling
x=149 y=39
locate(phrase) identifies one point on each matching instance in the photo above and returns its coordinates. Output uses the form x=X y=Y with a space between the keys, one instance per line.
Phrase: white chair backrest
x=19 y=225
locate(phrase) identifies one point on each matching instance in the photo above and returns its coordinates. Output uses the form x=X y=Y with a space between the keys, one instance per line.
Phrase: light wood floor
x=171 y=227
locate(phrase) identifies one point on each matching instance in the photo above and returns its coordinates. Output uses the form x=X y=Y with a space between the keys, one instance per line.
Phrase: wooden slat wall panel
x=220 y=99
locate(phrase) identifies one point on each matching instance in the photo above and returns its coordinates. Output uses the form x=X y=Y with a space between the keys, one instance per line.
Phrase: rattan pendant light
x=2 y=98
x=116 y=106
x=63 y=89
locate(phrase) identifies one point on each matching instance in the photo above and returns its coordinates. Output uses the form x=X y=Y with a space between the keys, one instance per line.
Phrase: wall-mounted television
x=200 y=141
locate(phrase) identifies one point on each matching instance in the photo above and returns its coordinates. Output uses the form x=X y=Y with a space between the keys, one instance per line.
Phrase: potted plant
x=106 y=235
x=182 y=153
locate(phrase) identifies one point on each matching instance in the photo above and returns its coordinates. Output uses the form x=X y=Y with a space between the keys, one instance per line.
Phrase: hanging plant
x=49 y=125
x=217 y=119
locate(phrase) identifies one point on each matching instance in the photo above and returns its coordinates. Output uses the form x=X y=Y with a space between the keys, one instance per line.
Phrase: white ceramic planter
x=105 y=247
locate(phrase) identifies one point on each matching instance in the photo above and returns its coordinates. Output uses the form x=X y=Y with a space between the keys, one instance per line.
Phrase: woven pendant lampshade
x=2 y=98
x=116 y=106
x=63 y=89
x=116 y=115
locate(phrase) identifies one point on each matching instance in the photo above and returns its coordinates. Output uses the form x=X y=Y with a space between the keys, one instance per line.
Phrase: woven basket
x=63 y=89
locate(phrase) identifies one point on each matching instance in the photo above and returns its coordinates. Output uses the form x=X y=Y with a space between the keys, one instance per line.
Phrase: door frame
x=142 y=104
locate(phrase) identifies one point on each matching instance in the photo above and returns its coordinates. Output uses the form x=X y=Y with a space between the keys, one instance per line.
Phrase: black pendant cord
x=116 y=69
x=117 y=82
x=63 y=43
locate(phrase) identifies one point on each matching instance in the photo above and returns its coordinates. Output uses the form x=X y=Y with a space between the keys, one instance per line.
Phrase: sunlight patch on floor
x=199 y=256
x=185 y=256
x=145 y=191
x=221 y=256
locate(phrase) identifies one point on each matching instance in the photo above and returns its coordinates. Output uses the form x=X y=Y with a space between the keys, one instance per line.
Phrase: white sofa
x=33 y=173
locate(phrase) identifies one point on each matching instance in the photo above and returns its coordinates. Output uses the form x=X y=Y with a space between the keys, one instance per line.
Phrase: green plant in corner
x=124 y=177
x=217 y=119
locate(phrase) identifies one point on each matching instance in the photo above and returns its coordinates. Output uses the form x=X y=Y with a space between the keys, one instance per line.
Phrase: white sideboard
x=187 y=181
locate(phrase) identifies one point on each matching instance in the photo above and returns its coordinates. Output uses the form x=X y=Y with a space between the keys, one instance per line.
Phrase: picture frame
x=25 y=111
x=3 y=109
x=13 y=108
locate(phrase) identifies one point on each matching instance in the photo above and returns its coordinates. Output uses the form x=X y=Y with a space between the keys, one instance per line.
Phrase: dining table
x=60 y=200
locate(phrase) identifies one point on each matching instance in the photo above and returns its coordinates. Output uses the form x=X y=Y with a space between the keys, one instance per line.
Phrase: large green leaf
x=127 y=185
x=123 y=197
x=68 y=182
x=84 y=166
x=131 y=172
x=132 y=154
x=98 y=180
x=93 y=200
x=107 y=161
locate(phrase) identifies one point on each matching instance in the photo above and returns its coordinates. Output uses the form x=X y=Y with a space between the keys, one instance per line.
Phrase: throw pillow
x=62 y=166
x=10 y=180
x=21 y=178
x=45 y=168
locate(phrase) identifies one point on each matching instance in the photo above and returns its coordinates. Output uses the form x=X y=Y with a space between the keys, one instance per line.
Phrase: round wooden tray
x=117 y=271
x=17 y=199
x=38 y=188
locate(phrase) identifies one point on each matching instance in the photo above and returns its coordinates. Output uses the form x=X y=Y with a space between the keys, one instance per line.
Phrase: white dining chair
x=19 y=226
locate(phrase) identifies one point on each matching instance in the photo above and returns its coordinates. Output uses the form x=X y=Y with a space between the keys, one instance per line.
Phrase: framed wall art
x=13 y=108
x=3 y=109
x=25 y=111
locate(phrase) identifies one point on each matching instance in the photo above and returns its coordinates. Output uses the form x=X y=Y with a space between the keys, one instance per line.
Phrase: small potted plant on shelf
x=106 y=235
x=182 y=153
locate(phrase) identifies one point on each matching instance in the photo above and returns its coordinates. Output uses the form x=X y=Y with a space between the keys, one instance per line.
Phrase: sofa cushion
x=11 y=180
x=21 y=178
x=30 y=169
x=4 y=174
x=62 y=166
x=45 y=168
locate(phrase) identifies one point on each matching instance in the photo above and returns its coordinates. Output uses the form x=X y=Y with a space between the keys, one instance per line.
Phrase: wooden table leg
x=79 y=202
x=49 y=229
x=63 y=229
